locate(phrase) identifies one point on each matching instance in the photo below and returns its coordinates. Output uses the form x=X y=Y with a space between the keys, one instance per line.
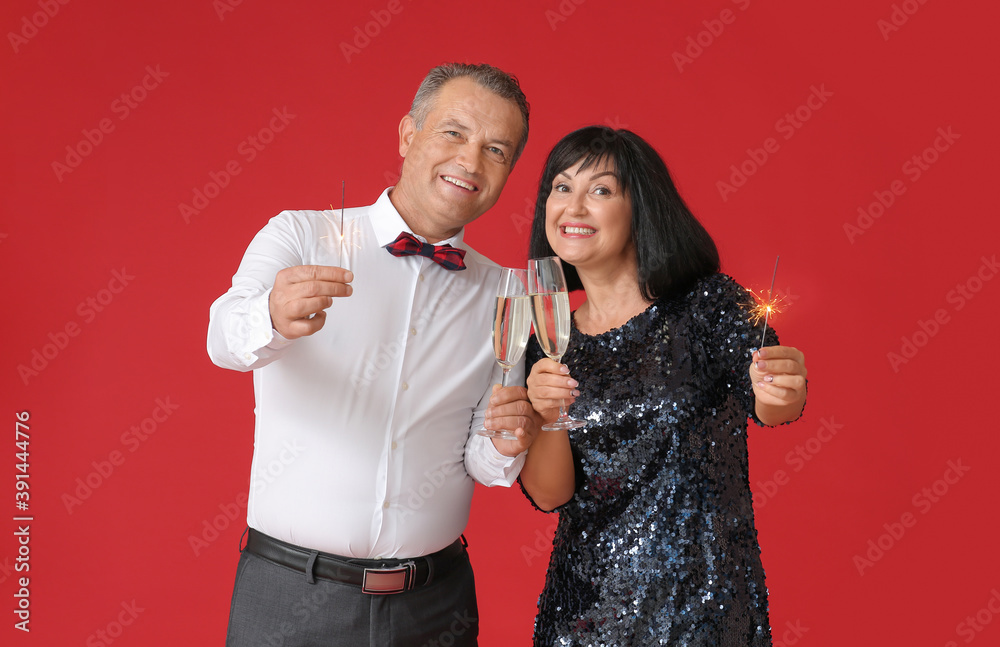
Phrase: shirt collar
x=388 y=224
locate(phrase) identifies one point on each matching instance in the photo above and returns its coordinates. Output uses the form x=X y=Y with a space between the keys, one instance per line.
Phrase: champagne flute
x=550 y=313
x=511 y=328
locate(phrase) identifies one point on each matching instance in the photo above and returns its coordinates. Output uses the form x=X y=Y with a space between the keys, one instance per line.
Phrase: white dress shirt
x=364 y=443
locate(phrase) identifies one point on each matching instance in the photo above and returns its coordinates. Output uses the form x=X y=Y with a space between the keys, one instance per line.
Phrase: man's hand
x=509 y=409
x=302 y=293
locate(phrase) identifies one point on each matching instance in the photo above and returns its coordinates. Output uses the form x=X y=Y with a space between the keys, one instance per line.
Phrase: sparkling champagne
x=550 y=312
x=511 y=328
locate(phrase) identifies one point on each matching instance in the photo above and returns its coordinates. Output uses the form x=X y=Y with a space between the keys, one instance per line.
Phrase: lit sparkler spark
x=339 y=236
x=352 y=240
x=346 y=239
x=343 y=188
x=766 y=306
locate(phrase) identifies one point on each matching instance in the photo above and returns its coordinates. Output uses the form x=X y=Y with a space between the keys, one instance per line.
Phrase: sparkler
x=345 y=244
x=343 y=189
x=766 y=306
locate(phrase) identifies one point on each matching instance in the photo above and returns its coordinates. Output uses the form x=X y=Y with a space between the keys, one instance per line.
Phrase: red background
x=854 y=297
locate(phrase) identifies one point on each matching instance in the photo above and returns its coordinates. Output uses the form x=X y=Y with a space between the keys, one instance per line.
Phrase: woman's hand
x=550 y=385
x=778 y=375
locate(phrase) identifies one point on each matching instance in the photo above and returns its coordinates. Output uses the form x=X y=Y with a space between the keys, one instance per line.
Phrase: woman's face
x=588 y=217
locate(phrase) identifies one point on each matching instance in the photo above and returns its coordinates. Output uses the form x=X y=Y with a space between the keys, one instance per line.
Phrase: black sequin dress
x=658 y=545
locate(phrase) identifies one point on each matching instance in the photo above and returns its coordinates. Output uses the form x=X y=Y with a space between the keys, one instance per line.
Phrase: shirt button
x=405 y=386
x=421 y=277
x=394 y=445
x=247 y=356
x=413 y=331
x=385 y=505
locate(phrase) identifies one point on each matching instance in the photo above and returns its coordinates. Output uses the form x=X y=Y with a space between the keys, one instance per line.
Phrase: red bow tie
x=448 y=257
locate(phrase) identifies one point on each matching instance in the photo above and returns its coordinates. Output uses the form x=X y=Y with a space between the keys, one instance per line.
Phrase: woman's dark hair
x=673 y=250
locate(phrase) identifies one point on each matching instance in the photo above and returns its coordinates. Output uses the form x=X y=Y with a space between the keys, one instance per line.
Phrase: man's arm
x=499 y=462
x=273 y=300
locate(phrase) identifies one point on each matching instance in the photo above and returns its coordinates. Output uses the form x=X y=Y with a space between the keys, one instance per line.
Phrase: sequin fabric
x=658 y=544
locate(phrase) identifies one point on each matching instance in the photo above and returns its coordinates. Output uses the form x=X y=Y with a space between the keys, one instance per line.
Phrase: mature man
x=372 y=362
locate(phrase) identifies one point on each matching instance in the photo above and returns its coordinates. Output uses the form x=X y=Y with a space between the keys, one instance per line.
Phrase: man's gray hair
x=491 y=78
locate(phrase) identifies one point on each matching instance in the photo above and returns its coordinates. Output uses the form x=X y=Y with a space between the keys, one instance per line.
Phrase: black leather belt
x=377 y=577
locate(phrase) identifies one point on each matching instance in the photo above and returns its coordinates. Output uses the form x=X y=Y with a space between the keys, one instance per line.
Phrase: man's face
x=455 y=166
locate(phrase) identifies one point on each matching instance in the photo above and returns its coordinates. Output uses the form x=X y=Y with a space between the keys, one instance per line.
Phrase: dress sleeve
x=723 y=310
x=578 y=475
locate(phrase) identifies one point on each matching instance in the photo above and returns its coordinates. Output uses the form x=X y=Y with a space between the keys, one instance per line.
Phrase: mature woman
x=656 y=542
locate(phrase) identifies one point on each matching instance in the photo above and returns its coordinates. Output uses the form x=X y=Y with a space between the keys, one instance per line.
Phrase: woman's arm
x=548 y=474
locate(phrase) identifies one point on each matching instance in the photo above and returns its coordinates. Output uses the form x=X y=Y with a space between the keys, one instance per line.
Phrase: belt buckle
x=386 y=581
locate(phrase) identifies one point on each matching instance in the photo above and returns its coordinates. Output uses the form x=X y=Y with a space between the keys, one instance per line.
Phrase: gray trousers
x=275 y=606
